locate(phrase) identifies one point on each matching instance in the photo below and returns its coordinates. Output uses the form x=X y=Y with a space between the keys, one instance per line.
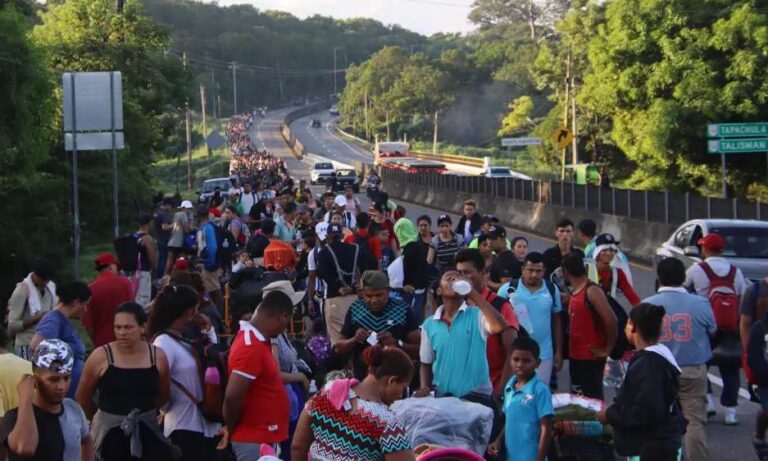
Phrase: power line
x=254 y=69
x=441 y=3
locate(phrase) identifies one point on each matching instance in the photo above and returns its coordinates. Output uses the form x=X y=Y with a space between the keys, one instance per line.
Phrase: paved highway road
x=726 y=442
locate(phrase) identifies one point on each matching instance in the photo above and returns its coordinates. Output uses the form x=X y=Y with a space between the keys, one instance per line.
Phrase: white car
x=334 y=110
x=503 y=172
x=320 y=173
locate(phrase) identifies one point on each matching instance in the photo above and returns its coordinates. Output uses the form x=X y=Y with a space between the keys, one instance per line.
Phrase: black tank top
x=123 y=389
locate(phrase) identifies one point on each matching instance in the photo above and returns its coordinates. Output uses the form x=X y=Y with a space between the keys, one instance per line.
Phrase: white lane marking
x=717 y=381
x=351 y=149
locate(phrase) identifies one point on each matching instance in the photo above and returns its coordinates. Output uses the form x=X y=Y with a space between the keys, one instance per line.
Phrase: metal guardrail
x=450 y=158
x=285 y=127
x=665 y=207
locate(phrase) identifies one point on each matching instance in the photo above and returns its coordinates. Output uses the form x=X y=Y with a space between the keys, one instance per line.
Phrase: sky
x=423 y=16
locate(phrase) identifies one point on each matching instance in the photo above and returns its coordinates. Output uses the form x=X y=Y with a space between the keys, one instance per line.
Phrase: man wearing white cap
x=348 y=219
x=182 y=223
x=47 y=425
x=314 y=283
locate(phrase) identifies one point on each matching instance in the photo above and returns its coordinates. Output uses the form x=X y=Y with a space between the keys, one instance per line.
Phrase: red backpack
x=723 y=298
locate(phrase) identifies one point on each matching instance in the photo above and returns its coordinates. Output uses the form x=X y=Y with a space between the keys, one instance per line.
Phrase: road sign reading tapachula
x=736 y=130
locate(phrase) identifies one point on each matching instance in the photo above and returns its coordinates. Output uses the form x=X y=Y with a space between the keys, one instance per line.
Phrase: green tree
x=31 y=198
x=662 y=69
x=89 y=35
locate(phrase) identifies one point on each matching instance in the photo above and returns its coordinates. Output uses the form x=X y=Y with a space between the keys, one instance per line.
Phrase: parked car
x=334 y=110
x=315 y=123
x=209 y=186
x=746 y=244
x=346 y=177
x=320 y=173
x=503 y=172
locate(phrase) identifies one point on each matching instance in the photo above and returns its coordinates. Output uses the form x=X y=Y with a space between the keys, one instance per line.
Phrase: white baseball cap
x=321 y=230
x=340 y=200
x=186 y=204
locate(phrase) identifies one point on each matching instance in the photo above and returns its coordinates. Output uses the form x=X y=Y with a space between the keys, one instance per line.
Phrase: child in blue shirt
x=527 y=407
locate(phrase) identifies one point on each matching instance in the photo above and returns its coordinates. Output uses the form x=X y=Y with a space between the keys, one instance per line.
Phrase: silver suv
x=746 y=244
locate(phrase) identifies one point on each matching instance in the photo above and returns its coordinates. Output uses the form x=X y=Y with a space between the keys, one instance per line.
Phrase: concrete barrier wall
x=285 y=128
x=638 y=239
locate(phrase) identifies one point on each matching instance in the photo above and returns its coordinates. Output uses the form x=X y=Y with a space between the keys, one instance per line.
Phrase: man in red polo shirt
x=108 y=291
x=256 y=405
x=470 y=264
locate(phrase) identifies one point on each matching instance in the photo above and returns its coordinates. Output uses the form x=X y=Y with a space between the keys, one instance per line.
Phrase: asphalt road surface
x=725 y=442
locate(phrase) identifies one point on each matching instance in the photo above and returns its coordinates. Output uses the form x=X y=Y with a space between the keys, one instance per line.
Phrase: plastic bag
x=447 y=422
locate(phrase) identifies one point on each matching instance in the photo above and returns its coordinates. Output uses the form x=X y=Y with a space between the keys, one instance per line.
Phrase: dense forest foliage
x=280 y=58
x=647 y=76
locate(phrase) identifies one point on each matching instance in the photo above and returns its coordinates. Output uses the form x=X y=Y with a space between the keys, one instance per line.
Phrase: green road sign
x=736 y=130
x=737 y=146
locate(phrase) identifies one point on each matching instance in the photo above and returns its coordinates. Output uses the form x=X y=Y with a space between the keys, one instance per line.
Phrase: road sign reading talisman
x=519 y=142
x=562 y=137
x=737 y=146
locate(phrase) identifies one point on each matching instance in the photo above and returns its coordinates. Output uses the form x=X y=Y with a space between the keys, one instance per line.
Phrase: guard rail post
x=629 y=203
x=666 y=206
x=709 y=208
x=586 y=196
x=613 y=200
x=687 y=206
x=645 y=200
x=735 y=206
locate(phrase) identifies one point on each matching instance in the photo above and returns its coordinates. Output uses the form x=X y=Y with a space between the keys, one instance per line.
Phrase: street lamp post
x=335 y=68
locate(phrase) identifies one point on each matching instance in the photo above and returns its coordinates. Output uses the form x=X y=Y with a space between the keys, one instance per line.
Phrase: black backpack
x=225 y=247
x=128 y=248
x=622 y=343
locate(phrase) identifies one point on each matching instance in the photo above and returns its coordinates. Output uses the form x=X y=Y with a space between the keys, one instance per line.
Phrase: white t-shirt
x=181 y=412
x=312 y=266
x=247 y=200
x=353 y=206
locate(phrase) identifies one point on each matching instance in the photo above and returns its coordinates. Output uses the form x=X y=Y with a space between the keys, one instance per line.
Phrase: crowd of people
x=271 y=324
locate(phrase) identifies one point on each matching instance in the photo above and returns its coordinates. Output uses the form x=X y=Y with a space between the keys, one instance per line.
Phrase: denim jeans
x=730 y=374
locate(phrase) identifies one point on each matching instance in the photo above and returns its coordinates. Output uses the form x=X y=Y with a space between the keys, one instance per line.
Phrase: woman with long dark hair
x=173 y=314
x=131 y=377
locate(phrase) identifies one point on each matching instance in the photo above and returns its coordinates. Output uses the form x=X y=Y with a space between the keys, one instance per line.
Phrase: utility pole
x=189 y=133
x=565 y=112
x=202 y=107
x=574 y=146
x=214 y=92
x=279 y=80
x=336 y=68
x=386 y=114
x=367 y=124
x=234 y=86
x=434 y=139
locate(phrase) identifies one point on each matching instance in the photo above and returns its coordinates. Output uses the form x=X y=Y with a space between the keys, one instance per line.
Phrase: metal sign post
x=75 y=193
x=93 y=120
x=735 y=138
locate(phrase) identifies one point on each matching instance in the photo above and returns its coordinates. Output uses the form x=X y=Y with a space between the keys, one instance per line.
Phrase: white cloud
x=424 y=18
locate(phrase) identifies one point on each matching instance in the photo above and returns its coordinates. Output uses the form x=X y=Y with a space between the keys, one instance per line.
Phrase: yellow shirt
x=12 y=368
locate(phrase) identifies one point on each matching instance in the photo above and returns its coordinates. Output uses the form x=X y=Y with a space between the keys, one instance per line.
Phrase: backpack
x=498 y=304
x=128 y=251
x=513 y=288
x=723 y=298
x=225 y=247
x=622 y=343
x=211 y=362
x=365 y=246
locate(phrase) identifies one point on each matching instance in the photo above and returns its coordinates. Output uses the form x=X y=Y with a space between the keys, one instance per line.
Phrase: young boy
x=527 y=407
x=387 y=253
